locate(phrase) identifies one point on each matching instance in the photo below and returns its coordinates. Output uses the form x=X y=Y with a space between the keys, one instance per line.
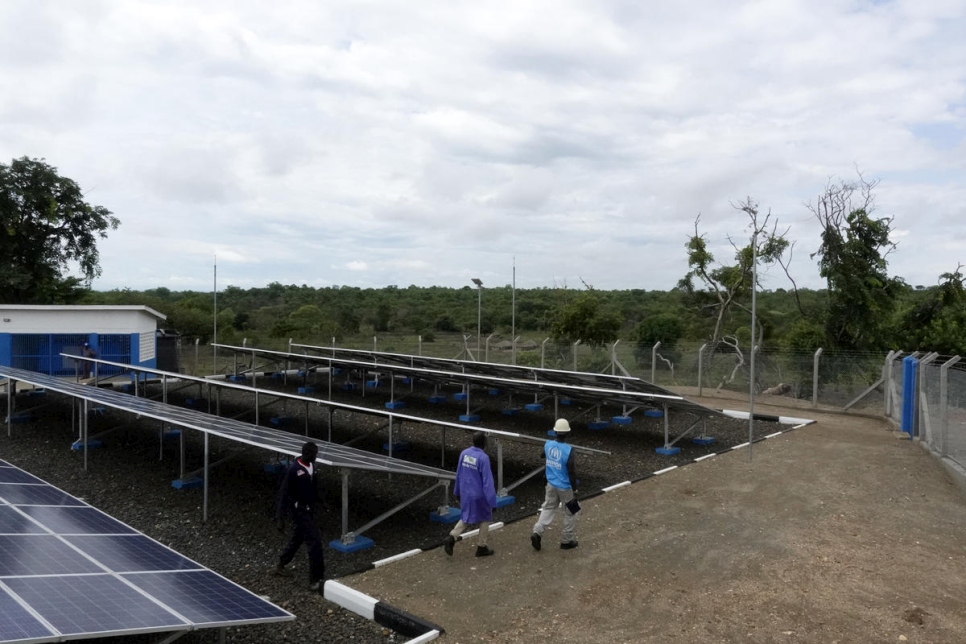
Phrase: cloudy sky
x=372 y=142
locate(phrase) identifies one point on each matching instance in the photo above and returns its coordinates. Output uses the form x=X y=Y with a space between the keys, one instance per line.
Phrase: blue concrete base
x=187 y=484
x=621 y=420
x=469 y=418
x=533 y=407
x=436 y=399
x=35 y=393
x=451 y=515
x=503 y=501
x=283 y=421
x=511 y=411
x=668 y=451
x=306 y=390
x=703 y=440
x=654 y=413
x=336 y=371
x=171 y=433
x=598 y=424
x=397 y=447
x=19 y=418
x=238 y=378
x=278 y=375
x=196 y=403
x=566 y=401
x=360 y=543
x=78 y=445
x=459 y=396
x=348 y=386
x=406 y=380
x=395 y=404
x=493 y=391
x=372 y=384
x=96 y=411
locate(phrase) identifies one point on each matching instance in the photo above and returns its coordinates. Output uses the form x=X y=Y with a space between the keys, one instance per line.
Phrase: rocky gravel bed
x=129 y=476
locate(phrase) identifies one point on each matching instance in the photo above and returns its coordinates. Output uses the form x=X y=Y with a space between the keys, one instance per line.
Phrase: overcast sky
x=371 y=143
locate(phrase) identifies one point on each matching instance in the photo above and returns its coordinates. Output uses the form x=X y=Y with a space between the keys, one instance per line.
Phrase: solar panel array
x=588 y=387
x=69 y=571
x=264 y=437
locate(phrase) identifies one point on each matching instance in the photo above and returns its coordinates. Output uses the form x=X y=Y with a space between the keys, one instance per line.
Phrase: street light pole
x=479 y=313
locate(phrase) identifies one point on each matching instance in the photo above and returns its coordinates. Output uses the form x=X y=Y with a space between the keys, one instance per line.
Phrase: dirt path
x=837 y=532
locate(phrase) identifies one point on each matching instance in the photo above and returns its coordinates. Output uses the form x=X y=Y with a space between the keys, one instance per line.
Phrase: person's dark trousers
x=306 y=531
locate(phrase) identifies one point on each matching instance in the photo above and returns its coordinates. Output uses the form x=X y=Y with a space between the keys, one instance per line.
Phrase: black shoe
x=448 y=545
x=281 y=571
x=484 y=551
x=535 y=541
x=569 y=545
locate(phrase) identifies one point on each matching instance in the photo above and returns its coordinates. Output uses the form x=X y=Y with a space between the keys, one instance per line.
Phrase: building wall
x=34 y=337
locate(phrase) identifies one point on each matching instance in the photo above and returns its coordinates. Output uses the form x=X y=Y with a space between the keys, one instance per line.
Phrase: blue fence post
x=909 y=369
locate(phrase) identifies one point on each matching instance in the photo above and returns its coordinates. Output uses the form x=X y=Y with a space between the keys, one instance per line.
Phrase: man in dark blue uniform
x=298 y=497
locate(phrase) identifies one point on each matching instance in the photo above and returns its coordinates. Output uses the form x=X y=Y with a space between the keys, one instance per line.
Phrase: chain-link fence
x=938 y=407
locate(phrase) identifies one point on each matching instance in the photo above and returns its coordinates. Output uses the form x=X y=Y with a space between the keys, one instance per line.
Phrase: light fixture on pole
x=479 y=312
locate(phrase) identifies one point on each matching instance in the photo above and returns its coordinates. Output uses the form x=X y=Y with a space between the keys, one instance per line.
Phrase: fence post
x=543 y=352
x=818 y=353
x=375 y=341
x=613 y=358
x=922 y=411
x=575 y=354
x=944 y=402
x=701 y=368
x=419 y=345
x=654 y=360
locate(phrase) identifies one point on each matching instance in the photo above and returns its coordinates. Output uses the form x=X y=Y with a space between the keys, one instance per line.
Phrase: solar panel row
x=70 y=571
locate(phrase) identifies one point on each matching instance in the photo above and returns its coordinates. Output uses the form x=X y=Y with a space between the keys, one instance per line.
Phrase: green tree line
x=48 y=255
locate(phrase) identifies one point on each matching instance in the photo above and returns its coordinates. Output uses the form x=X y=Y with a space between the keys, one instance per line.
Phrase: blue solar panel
x=75 y=520
x=93 y=605
x=18 y=625
x=204 y=597
x=88 y=575
x=26 y=494
x=14 y=522
x=40 y=554
x=15 y=475
x=131 y=553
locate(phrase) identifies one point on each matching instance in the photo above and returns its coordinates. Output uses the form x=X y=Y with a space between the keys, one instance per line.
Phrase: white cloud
x=380 y=143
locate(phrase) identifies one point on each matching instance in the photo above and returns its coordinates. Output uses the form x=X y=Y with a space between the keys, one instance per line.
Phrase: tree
x=852 y=259
x=717 y=288
x=583 y=318
x=46 y=229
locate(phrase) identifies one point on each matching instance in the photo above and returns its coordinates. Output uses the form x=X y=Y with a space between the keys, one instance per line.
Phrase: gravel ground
x=130 y=475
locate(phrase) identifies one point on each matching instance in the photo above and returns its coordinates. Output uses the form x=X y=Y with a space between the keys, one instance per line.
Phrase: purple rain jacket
x=474 y=486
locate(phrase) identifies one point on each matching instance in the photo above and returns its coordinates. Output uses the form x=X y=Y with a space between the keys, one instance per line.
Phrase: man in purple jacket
x=477 y=494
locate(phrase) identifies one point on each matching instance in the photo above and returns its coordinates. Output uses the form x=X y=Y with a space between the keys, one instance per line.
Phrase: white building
x=32 y=337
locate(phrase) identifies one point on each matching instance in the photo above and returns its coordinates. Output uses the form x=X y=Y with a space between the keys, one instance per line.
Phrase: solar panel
x=30 y=494
x=595 y=388
x=17 y=624
x=202 y=596
x=75 y=520
x=13 y=521
x=41 y=554
x=128 y=553
x=69 y=571
x=94 y=605
x=275 y=440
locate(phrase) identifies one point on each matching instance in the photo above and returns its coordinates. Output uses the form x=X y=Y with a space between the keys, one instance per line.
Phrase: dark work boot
x=535 y=541
x=448 y=544
x=568 y=545
x=484 y=551
x=280 y=571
